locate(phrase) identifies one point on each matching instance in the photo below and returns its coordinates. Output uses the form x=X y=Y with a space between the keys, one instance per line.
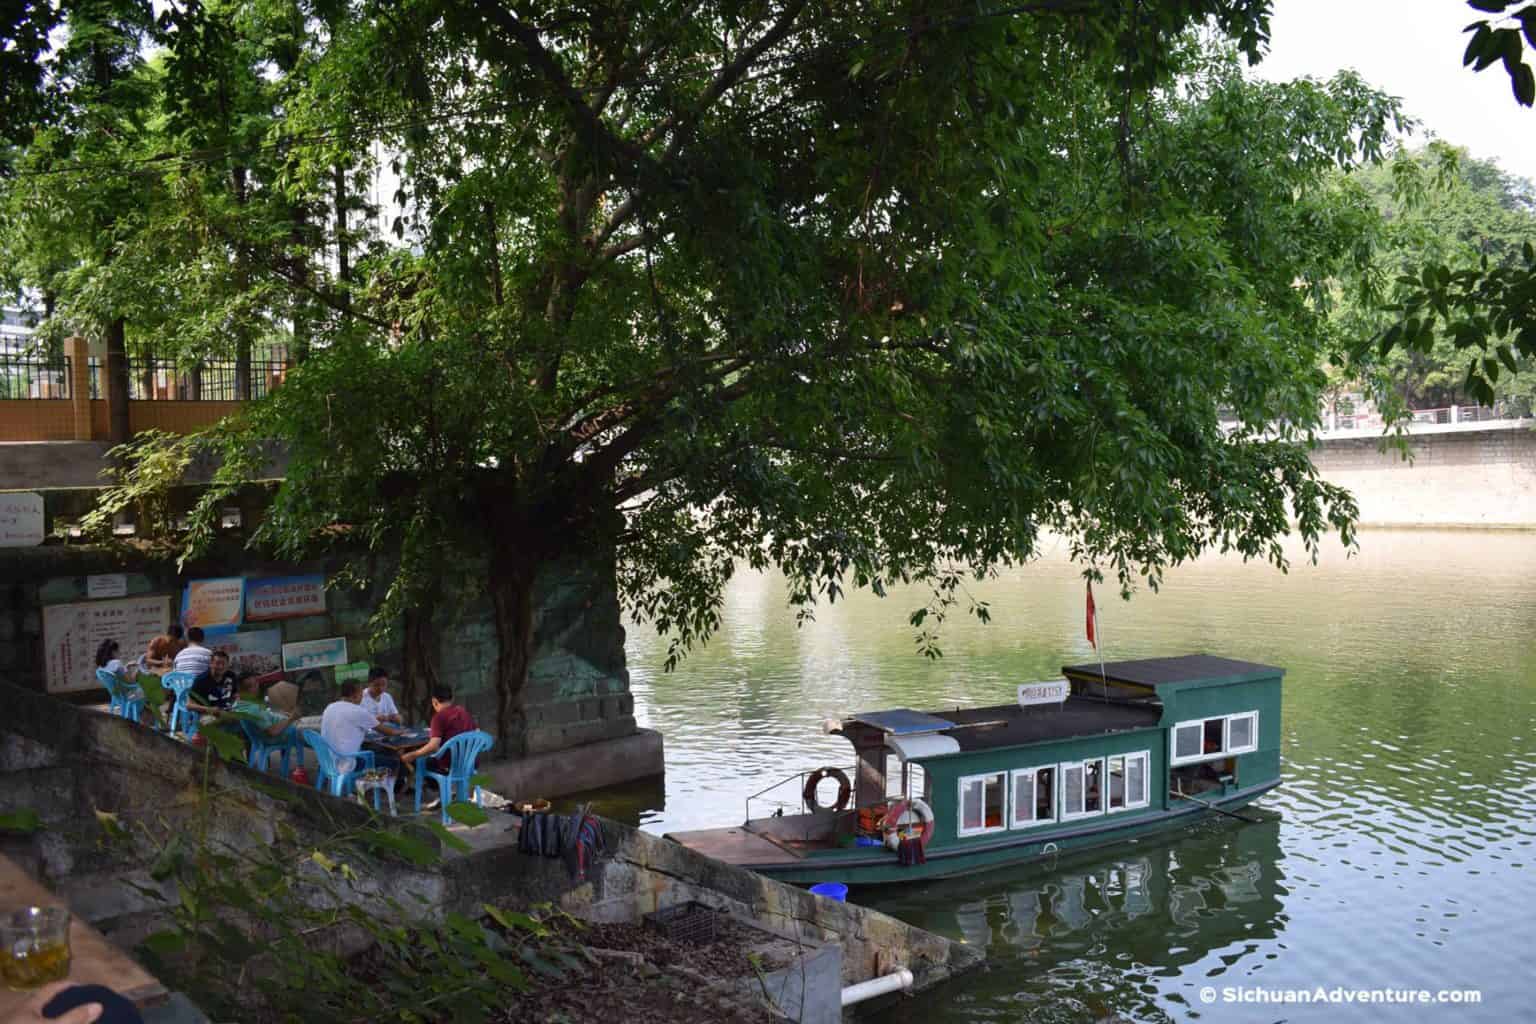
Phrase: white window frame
x=983 y=829
x=1226 y=750
x=1145 y=756
x=1013 y=792
x=1253 y=732
x=1082 y=766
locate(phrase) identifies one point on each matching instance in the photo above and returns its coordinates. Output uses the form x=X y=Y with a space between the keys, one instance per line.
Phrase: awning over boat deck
x=912 y=748
x=902 y=721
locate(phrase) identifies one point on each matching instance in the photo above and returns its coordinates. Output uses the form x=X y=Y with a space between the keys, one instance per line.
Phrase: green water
x=1398 y=853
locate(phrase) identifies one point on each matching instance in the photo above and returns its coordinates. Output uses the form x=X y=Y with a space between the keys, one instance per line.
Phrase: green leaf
x=1489 y=6
x=227 y=744
x=1508 y=359
x=110 y=824
x=1523 y=82
x=466 y=813
x=1528 y=25
x=448 y=838
x=24 y=820
x=514 y=921
x=165 y=943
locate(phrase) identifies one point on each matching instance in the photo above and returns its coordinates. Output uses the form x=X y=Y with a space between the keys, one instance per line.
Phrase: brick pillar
x=79 y=385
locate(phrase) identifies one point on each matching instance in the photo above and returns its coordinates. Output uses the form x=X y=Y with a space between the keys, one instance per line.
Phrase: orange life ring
x=844 y=789
x=900 y=809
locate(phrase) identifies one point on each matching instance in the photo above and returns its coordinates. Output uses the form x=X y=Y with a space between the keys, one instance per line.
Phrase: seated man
x=345 y=724
x=270 y=721
x=194 y=657
x=448 y=721
x=214 y=690
x=376 y=698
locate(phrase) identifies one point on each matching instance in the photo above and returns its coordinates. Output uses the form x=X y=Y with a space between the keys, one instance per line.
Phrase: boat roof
x=1198 y=669
x=1008 y=725
x=902 y=721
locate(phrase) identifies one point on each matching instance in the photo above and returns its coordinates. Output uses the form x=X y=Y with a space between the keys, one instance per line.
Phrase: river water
x=1398 y=853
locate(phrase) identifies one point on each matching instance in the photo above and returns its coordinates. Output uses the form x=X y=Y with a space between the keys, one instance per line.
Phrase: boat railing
x=799 y=778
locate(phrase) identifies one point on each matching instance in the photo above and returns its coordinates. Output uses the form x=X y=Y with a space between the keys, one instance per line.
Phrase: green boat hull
x=864 y=866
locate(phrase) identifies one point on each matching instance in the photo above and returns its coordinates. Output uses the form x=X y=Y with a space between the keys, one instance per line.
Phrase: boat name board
x=1053 y=692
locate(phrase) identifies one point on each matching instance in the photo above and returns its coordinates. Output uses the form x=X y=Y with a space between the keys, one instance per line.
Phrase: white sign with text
x=21 y=520
x=1053 y=692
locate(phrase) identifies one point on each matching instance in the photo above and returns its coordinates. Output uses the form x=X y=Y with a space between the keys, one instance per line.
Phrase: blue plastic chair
x=340 y=783
x=180 y=683
x=124 y=704
x=264 y=746
x=461 y=752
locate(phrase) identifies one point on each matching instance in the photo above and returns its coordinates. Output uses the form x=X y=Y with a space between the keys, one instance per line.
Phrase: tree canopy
x=871 y=293
x=1441 y=206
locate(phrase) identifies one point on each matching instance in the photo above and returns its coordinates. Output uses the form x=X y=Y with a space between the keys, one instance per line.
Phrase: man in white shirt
x=346 y=722
x=376 y=698
x=194 y=657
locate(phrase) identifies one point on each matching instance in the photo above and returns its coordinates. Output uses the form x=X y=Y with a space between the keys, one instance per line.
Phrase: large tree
x=870 y=292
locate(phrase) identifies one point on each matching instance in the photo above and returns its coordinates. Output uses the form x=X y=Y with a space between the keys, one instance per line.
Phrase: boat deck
x=741 y=846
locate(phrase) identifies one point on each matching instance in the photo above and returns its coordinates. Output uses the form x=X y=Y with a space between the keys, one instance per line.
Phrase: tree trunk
x=117 y=379
x=242 y=286
x=419 y=673
x=343 y=253
x=511 y=585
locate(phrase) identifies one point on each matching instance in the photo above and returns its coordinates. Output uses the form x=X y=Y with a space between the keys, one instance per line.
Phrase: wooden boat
x=1104 y=754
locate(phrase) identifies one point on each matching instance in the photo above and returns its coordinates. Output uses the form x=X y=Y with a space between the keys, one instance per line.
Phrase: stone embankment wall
x=578 y=687
x=1470 y=478
x=67 y=763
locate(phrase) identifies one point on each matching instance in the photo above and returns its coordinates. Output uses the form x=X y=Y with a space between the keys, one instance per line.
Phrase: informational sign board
x=309 y=654
x=213 y=604
x=72 y=632
x=352 y=670
x=284 y=597
x=113 y=584
x=21 y=520
x=1053 y=692
x=257 y=650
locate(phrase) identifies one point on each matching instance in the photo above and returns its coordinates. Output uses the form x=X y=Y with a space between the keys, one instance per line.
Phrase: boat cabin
x=1105 y=749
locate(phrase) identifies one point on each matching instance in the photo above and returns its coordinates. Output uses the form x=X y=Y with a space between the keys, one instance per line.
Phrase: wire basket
x=693 y=923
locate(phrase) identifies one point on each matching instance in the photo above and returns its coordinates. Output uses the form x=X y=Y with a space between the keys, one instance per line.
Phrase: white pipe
x=894 y=982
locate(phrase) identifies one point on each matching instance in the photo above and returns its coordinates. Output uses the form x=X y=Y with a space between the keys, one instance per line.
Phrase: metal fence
x=211 y=381
x=26 y=376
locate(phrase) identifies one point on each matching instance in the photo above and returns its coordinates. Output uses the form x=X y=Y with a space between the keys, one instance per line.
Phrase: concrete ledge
x=589 y=766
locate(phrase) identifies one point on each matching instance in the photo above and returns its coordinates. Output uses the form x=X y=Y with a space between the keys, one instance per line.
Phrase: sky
x=1411 y=49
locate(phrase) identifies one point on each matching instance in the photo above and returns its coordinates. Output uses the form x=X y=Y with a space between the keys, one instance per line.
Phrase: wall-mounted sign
x=257 y=650
x=72 y=632
x=1053 y=692
x=21 y=520
x=284 y=597
x=113 y=584
x=309 y=654
x=213 y=604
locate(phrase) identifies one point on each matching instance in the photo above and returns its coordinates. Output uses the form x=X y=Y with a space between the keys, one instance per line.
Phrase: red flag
x=1091 y=616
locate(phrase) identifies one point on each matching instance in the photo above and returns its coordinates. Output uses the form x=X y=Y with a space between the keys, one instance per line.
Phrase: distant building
x=15 y=332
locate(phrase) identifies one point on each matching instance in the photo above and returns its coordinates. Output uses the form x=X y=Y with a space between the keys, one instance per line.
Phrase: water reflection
x=1109 y=933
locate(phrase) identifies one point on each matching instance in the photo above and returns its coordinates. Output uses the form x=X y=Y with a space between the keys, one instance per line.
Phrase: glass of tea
x=34 y=947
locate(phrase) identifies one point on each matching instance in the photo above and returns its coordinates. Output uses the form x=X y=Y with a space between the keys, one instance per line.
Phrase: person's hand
x=32 y=1012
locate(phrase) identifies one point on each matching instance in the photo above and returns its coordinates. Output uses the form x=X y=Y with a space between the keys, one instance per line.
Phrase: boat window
x=1034 y=796
x=1128 y=781
x=1210 y=739
x=983 y=800
x=892 y=776
x=917 y=781
x=1186 y=741
x=1093 y=787
x=1071 y=790
x=1243 y=733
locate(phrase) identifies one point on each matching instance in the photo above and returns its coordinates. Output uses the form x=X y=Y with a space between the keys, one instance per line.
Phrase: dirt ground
x=641 y=977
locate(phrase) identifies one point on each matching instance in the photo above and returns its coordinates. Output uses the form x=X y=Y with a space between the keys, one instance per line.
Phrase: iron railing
x=211 y=381
x=27 y=376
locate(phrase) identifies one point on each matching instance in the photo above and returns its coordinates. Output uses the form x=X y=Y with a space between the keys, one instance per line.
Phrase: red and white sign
x=72 y=632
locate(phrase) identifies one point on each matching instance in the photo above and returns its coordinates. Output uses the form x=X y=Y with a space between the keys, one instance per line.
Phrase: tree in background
x=1443 y=206
x=874 y=295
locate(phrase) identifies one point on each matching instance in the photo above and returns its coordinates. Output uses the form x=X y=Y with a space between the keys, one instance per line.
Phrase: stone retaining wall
x=1481 y=479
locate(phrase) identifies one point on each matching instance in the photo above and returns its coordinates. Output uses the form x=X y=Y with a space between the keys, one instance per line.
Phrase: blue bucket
x=831 y=890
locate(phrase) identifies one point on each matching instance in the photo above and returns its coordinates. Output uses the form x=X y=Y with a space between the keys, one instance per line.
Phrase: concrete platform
x=577 y=769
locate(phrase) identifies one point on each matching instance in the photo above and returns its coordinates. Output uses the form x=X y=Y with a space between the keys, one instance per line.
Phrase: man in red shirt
x=448 y=721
